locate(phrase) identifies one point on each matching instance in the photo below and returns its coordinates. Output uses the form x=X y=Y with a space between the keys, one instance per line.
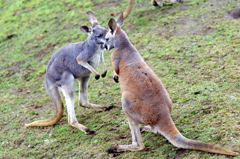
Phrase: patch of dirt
x=42 y=53
x=234 y=14
x=187 y=26
x=180 y=152
x=110 y=3
x=13 y=68
x=41 y=110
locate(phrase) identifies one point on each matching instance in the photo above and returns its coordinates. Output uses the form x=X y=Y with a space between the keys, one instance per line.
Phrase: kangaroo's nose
x=105 y=46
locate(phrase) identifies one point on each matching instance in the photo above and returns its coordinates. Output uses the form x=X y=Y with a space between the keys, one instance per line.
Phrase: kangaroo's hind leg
x=137 y=143
x=68 y=92
x=55 y=96
x=83 y=96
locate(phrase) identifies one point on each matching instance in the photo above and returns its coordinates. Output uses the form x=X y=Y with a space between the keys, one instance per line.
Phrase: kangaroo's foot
x=121 y=148
x=104 y=74
x=96 y=106
x=82 y=128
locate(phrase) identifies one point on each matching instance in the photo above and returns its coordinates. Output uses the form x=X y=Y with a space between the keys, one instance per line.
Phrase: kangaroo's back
x=63 y=61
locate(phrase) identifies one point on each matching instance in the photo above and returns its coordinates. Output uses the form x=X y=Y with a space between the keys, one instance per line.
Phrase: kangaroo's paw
x=97 y=77
x=115 y=78
x=104 y=74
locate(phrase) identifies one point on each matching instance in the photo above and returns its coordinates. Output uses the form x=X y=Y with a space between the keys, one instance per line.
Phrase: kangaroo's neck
x=122 y=41
x=125 y=53
x=90 y=45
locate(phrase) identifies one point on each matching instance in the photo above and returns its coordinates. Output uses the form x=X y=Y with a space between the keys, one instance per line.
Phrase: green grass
x=191 y=46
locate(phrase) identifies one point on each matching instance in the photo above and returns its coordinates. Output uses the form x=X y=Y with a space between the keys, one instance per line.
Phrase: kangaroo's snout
x=101 y=43
x=107 y=46
x=109 y=40
x=102 y=46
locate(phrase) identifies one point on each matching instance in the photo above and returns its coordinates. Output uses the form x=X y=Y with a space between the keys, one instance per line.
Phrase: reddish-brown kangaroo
x=144 y=98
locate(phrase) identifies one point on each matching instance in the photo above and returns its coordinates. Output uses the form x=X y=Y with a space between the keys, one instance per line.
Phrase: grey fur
x=75 y=61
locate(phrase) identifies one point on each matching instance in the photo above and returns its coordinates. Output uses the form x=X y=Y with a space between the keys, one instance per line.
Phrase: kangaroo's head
x=96 y=33
x=115 y=33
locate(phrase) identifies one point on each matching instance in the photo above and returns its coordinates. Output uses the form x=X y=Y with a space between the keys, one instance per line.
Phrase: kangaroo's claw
x=91 y=132
x=112 y=150
x=97 y=77
x=104 y=74
x=109 y=108
x=115 y=78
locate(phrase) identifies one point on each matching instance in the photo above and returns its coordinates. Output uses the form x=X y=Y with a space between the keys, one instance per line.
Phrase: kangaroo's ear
x=120 y=19
x=112 y=25
x=92 y=18
x=86 y=29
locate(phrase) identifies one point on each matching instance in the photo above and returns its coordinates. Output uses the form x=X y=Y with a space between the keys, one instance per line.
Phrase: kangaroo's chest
x=94 y=60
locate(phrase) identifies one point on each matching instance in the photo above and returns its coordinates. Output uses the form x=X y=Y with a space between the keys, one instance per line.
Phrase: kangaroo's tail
x=182 y=142
x=55 y=95
x=168 y=129
x=128 y=9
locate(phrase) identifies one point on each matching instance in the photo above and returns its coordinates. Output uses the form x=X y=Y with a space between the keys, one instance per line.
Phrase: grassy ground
x=191 y=46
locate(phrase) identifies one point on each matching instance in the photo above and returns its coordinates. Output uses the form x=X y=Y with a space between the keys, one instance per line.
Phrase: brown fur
x=144 y=97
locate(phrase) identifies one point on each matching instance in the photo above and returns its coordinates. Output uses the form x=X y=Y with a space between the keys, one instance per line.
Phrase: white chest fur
x=95 y=59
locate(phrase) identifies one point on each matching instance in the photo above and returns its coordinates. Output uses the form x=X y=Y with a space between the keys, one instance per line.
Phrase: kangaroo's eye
x=107 y=39
x=100 y=35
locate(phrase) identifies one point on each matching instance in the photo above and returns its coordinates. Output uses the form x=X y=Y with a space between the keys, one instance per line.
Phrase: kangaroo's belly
x=95 y=59
x=147 y=89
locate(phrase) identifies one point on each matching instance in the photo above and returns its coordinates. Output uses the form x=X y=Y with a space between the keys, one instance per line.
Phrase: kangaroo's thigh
x=130 y=107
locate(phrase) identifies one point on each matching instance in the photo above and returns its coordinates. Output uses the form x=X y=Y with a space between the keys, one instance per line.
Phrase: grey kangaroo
x=144 y=97
x=75 y=61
